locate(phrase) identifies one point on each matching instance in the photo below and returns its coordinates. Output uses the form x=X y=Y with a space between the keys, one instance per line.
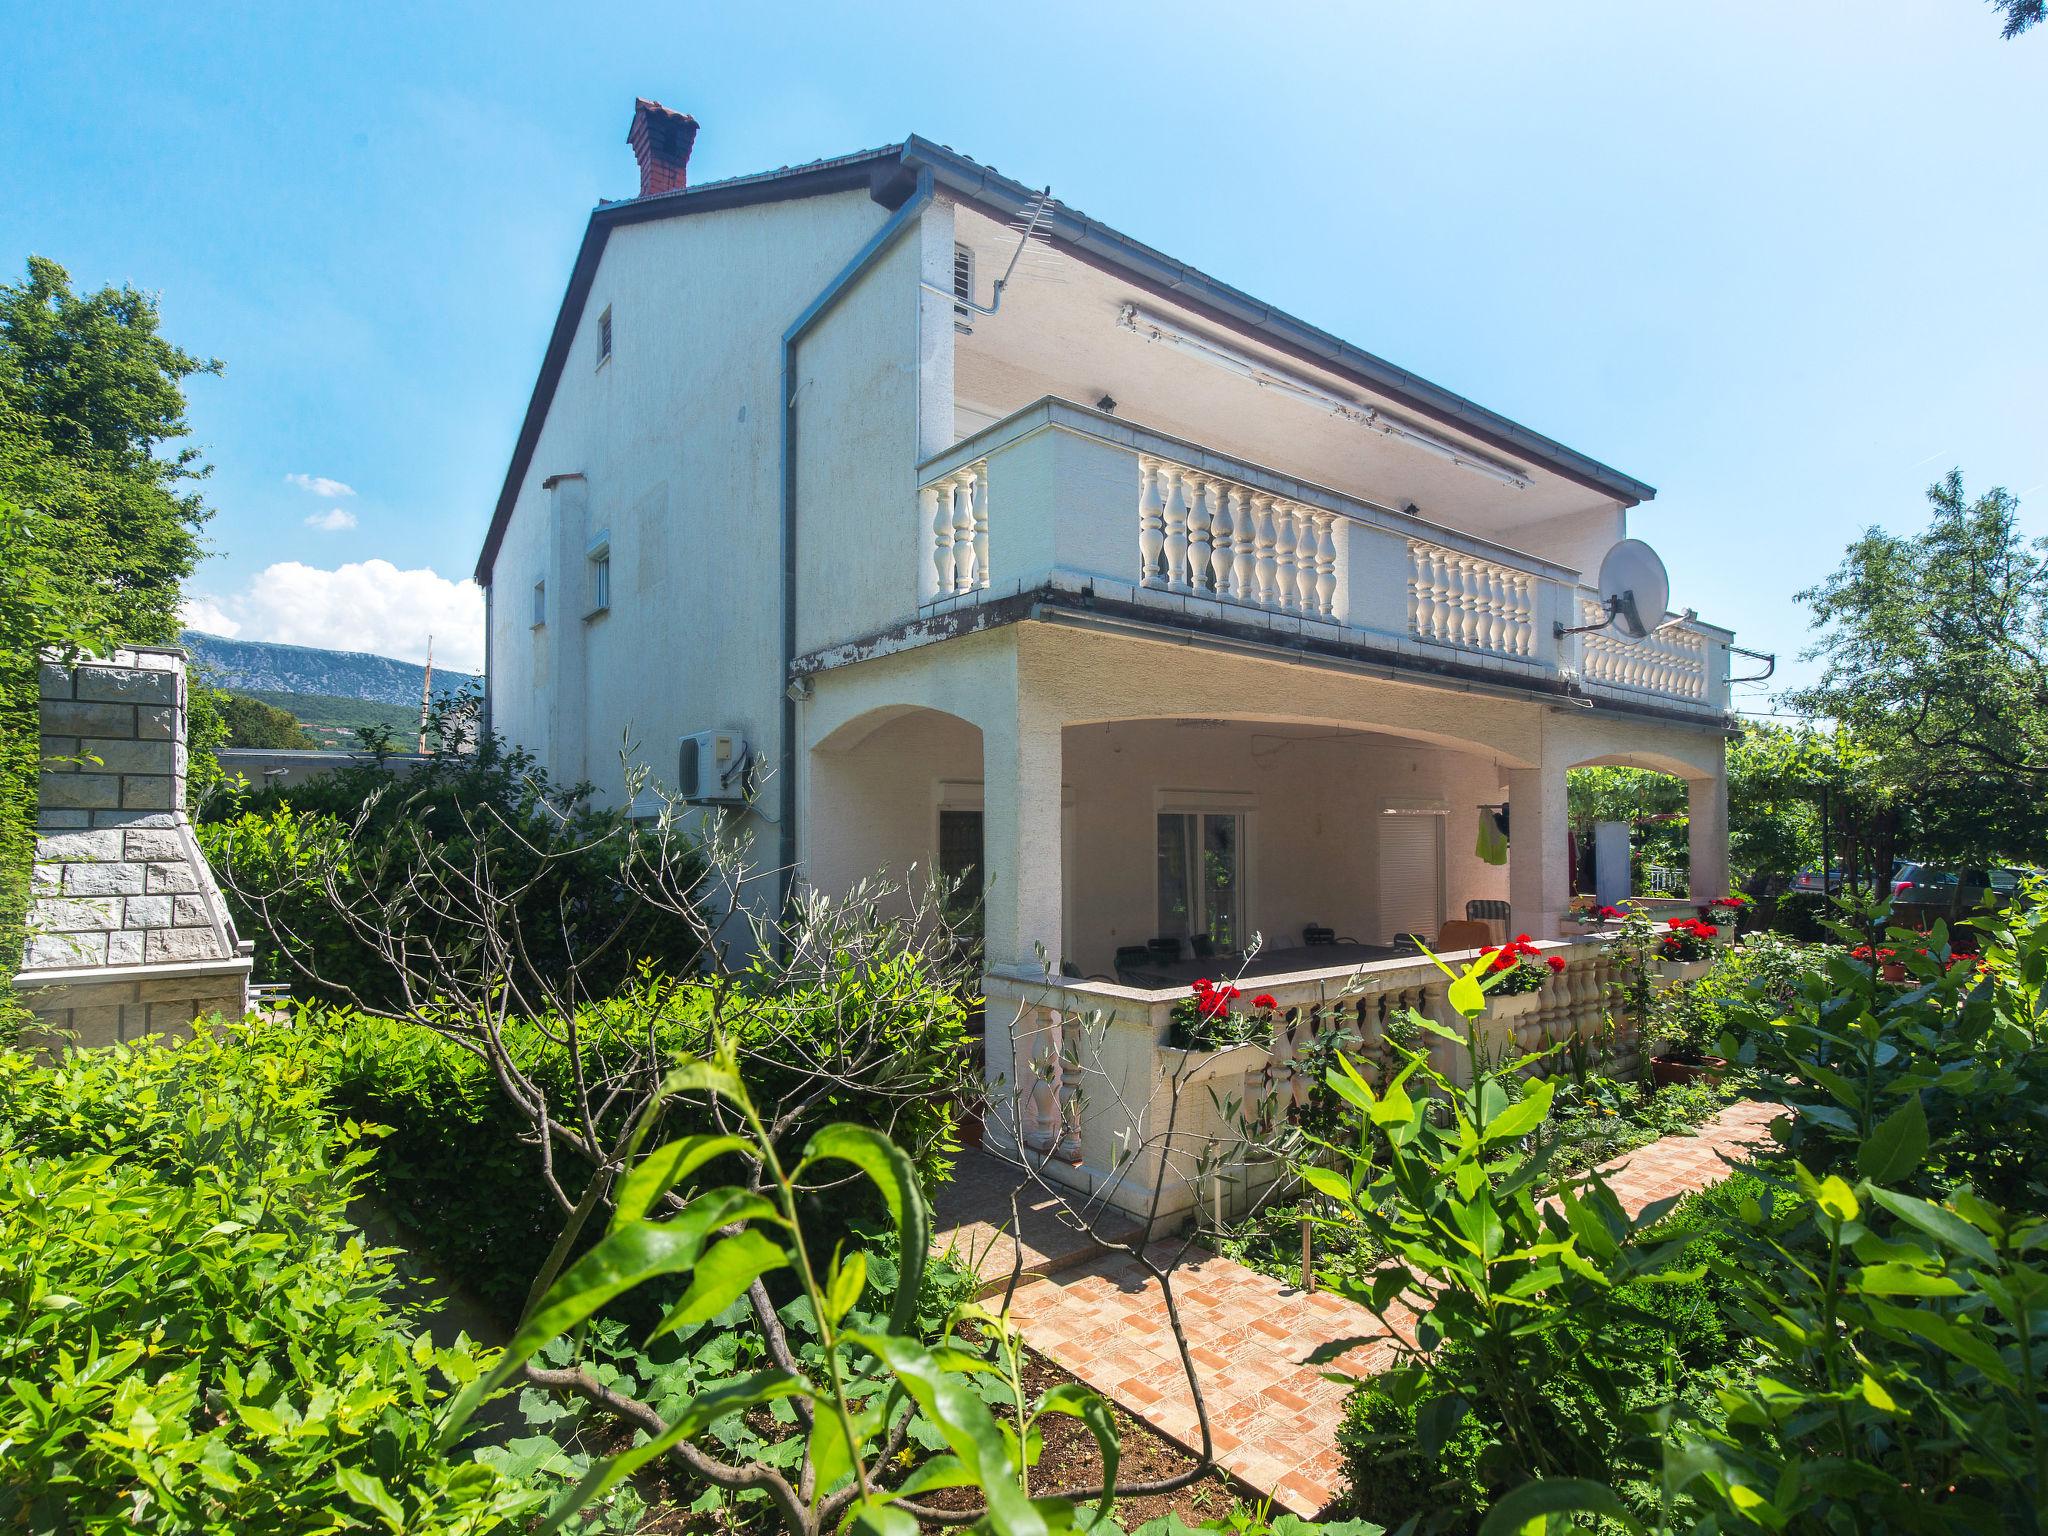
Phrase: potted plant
x=1685 y=949
x=1587 y=912
x=1514 y=978
x=1683 y=1028
x=1725 y=913
x=1889 y=966
x=1211 y=1037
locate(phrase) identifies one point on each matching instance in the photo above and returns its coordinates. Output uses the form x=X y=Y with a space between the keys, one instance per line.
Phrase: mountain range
x=262 y=667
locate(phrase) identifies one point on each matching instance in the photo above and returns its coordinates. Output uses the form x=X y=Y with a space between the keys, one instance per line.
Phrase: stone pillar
x=1021 y=766
x=1706 y=805
x=127 y=932
x=1539 y=871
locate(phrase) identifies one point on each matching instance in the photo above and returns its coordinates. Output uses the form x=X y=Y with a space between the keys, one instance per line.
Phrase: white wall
x=677 y=438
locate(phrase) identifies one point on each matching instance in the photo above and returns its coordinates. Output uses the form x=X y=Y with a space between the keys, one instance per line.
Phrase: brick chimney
x=661 y=142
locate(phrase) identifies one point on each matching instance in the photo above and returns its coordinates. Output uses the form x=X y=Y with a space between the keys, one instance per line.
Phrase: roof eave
x=1234 y=308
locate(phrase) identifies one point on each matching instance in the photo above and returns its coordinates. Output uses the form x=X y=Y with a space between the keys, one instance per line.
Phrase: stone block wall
x=127 y=932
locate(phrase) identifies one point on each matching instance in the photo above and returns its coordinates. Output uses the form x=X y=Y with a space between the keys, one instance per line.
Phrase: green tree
x=99 y=515
x=1936 y=646
x=2019 y=15
x=92 y=408
x=253 y=723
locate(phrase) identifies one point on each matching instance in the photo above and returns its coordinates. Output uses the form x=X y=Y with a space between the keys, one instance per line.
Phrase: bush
x=195 y=1336
x=306 y=868
x=458 y=1168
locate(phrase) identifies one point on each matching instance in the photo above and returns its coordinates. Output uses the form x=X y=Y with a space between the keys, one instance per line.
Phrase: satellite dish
x=1633 y=588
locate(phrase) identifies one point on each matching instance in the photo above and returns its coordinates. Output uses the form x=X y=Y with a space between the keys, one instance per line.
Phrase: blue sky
x=1783 y=262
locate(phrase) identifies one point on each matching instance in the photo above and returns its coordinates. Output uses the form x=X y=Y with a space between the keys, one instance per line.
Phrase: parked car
x=1927 y=885
x=1810 y=880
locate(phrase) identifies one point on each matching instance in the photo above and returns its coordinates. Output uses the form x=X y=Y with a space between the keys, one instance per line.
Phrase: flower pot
x=1892 y=971
x=1665 y=1072
x=1672 y=972
x=1724 y=935
x=1187 y=1067
x=1515 y=1005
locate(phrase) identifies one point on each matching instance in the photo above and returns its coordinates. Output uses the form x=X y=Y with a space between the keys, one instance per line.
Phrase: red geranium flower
x=1612 y=912
x=1265 y=1000
x=1555 y=962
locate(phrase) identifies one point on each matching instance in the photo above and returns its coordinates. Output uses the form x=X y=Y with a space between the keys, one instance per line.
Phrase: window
x=960 y=858
x=604 y=337
x=540 y=603
x=1201 y=876
x=963 y=288
x=600 y=557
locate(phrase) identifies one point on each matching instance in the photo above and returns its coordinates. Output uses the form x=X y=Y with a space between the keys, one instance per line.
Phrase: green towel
x=1493 y=845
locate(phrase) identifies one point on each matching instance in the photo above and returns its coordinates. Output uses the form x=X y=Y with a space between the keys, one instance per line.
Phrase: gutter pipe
x=878 y=244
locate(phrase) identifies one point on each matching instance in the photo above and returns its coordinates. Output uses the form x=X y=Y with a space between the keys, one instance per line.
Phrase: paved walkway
x=1274 y=1419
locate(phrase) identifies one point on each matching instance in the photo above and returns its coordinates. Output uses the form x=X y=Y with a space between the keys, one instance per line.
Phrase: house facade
x=1171 y=618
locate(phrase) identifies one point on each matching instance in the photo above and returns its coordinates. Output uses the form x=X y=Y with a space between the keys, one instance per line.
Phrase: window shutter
x=1411 y=875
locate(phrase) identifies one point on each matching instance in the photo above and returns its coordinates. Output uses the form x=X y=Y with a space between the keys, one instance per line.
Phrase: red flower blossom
x=1555 y=962
x=1611 y=912
x=1265 y=1000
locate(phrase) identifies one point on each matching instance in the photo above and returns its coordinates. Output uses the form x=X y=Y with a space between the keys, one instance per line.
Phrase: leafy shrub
x=195 y=1337
x=1532 y=1340
x=457 y=1167
x=318 y=868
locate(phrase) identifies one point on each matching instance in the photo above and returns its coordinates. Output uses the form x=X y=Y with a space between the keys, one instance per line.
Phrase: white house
x=1176 y=617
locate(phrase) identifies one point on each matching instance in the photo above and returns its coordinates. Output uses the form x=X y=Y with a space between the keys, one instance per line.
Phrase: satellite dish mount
x=1634 y=591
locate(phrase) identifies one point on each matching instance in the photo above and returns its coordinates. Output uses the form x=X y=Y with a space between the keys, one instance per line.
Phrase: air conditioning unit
x=713 y=768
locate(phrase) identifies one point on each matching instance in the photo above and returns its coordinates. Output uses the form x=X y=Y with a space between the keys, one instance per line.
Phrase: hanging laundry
x=1492 y=846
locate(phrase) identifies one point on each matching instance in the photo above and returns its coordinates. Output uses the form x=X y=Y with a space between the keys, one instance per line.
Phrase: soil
x=1071 y=1461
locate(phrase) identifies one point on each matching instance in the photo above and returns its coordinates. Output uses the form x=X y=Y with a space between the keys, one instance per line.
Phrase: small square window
x=540 y=603
x=604 y=337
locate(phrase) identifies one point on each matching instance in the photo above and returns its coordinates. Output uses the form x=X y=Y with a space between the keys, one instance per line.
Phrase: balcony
x=1059 y=496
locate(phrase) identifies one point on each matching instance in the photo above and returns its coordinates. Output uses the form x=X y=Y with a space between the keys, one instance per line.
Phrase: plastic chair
x=1456 y=935
x=1498 y=915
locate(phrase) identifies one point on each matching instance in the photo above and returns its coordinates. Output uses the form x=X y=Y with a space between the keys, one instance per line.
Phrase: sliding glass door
x=1201 y=876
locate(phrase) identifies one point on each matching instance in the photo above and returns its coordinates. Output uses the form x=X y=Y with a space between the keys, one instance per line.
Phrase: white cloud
x=333 y=520
x=320 y=485
x=204 y=615
x=368 y=605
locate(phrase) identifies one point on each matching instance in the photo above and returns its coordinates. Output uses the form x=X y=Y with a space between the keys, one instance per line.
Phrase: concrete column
x=1021 y=768
x=567 y=601
x=1539 y=872
x=1706 y=804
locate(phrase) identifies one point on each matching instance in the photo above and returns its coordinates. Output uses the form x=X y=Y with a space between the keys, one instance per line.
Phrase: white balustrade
x=1672 y=662
x=1205 y=536
x=955 y=511
x=1082 y=1075
x=1464 y=600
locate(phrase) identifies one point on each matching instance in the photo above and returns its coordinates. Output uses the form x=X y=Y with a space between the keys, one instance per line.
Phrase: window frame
x=604 y=336
x=963 y=288
x=1238 y=804
x=540 y=603
x=598 y=564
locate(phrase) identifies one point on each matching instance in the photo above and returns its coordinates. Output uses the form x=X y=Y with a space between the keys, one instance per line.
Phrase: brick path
x=1274 y=1419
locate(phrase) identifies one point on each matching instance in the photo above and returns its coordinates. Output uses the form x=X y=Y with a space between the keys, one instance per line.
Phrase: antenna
x=1634 y=590
x=426 y=692
x=1028 y=224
